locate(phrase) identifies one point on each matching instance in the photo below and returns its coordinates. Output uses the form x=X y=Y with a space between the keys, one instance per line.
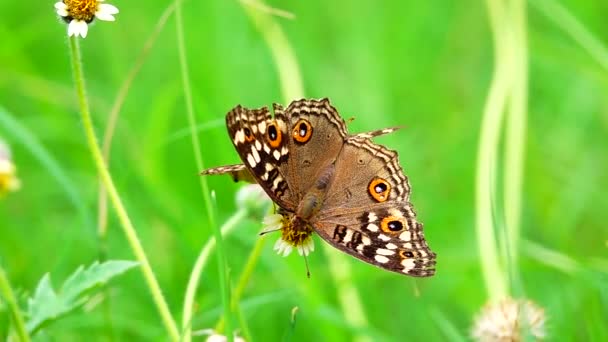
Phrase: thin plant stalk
x=290 y=78
x=515 y=135
x=492 y=269
x=221 y=255
x=563 y=19
x=102 y=202
x=115 y=111
x=348 y=296
x=252 y=260
x=17 y=318
x=197 y=271
x=123 y=217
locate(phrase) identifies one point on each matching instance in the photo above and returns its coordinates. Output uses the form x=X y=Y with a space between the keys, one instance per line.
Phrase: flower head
x=253 y=198
x=80 y=13
x=510 y=320
x=8 y=178
x=213 y=336
x=293 y=234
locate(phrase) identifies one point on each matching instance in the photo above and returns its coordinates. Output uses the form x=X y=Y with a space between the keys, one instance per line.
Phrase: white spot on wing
x=348 y=236
x=239 y=137
x=408 y=264
x=405 y=236
x=371 y=217
x=384 y=237
x=372 y=227
x=251 y=160
x=383 y=251
x=255 y=154
x=395 y=212
x=276 y=154
x=381 y=259
x=391 y=246
x=276 y=182
x=366 y=240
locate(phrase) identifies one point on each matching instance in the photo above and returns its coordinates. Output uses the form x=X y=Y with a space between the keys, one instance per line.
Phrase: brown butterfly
x=349 y=190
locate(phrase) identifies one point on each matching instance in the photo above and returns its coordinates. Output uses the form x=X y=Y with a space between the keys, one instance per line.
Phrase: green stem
x=487 y=158
x=347 y=293
x=221 y=255
x=121 y=212
x=515 y=138
x=563 y=19
x=197 y=270
x=284 y=56
x=252 y=260
x=7 y=293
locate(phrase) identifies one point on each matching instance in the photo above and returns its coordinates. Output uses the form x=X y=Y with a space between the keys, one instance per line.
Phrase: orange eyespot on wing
x=274 y=135
x=248 y=135
x=302 y=131
x=406 y=254
x=393 y=224
x=379 y=189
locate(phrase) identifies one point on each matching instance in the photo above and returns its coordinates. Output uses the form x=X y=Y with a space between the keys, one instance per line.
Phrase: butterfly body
x=349 y=190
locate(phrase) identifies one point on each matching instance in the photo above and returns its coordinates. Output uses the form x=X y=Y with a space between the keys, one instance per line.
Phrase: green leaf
x=47 y=305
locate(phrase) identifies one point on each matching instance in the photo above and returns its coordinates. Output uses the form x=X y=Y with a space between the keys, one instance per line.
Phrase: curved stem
x=252 y=261
x=492 y=269
x=515 y=135
x=7 y=293
x=197 y=270
x=123 y=217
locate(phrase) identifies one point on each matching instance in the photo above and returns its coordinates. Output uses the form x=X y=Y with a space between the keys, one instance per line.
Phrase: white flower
x=216 y=337
x=80 y=13
x=291 y=236
x=8 y=172
x=283 y=247
x=253 y=198
x=307 y=246
x=272 y=223
x=510 y=320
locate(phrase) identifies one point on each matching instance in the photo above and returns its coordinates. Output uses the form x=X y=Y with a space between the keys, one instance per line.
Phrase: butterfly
x=347 y=189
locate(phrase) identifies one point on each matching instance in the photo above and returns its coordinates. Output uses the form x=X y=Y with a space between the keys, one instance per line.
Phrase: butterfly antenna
x=264 y=232
x=307 y=268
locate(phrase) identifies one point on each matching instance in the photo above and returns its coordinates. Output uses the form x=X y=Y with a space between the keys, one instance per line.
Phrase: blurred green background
x=424 y=65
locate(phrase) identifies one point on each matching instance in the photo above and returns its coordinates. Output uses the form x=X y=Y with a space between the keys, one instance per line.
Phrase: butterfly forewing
x=260 y=142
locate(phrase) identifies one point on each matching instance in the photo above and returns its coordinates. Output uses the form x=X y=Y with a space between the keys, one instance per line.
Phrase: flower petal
x=107 y=8
x=278 y=244
x=72 y=28
x=104 y=16
x=61 y=9
x=287 y=250
x=60 y=6
x=84 y=29
x=62 y=13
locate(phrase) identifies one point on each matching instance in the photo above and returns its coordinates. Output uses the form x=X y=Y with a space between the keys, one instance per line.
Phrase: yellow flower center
x=295 y=231
x=81 y=9
x=7 y=177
